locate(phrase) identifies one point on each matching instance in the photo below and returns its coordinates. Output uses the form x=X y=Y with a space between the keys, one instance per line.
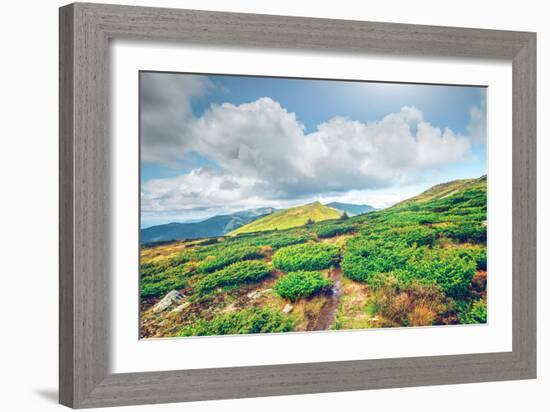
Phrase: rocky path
x=328 y=311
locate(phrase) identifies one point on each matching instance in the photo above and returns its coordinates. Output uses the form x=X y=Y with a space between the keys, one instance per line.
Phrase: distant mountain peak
x=292 y=217
x=351 y=209
x=218 y=225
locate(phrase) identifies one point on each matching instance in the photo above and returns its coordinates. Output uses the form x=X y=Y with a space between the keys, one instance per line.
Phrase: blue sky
x=279 y=142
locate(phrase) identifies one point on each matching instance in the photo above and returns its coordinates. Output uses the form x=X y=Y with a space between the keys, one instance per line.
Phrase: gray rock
x=170 y=298
x=288 y=308
x=258 y=293
x=180 y=308
x=230 y=308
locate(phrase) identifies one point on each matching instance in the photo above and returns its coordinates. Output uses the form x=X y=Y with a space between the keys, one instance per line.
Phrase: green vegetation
x=246 y=321
x=334 y=229
x=476 y=312
x=420 y=262
x=308 y=256
x=230 y=255
x=275 y=239
x=296 y=285
x=406 y=241
x=289 y=218
x=235 y=274
x=158 y=279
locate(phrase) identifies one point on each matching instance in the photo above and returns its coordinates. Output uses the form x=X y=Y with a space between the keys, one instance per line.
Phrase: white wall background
x=28 y=206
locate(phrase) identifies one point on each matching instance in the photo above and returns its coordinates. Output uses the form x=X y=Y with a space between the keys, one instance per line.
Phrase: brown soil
x=327 y=313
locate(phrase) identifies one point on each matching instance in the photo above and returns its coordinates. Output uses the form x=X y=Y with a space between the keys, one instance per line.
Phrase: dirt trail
x=328 y=312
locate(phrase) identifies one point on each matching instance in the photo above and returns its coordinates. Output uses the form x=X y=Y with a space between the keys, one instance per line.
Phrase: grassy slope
x=440 y=210
x=288 y=218
x=446 y=189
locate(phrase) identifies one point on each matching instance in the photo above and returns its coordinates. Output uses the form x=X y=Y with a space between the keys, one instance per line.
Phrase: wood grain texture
x=85 y=31
x=66 y=229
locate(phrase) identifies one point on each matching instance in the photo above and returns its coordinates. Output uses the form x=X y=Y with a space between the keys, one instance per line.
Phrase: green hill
x=288 y=218
x=443 y=190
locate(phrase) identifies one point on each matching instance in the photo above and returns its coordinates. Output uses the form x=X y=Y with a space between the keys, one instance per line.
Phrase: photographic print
x=278 y=205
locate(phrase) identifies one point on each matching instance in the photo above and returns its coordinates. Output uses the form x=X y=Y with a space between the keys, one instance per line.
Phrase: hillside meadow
x=422 y=262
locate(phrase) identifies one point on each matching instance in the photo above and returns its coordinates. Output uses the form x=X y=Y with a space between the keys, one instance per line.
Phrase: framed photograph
x=256 y=205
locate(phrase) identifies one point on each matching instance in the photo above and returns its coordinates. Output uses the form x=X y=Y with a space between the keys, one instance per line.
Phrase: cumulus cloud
x=262 y=152
x=197 y=189
x=165 y=109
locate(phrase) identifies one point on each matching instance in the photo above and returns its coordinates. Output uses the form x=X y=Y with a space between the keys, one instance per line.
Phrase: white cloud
x=199 y=188
x=165 y=101
x=265 y=156
x=477 y=127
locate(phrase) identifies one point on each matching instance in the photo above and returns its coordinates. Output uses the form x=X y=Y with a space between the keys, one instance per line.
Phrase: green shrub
x=474 y=313
x=235 y=274
x=226 y=256
x=151 y=269
x=418 y=235
x=296 y=285
x=365 y=258
x=157 y=280
x=181 y=258
x=276 y=240
x=158 y=289
x=333 y=230
x=481 y=259
x=452 y=269
x=467 y=232
x=357 y=267
x=280 y=241
x=310 y=256
x=246 y=321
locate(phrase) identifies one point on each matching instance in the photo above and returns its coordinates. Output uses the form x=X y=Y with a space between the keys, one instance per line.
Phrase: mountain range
x=253 y=220
x=215 y=226
x=351 y=209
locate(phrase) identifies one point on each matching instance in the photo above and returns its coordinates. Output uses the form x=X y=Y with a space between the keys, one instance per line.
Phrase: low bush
x=473 y=232
x=474 y=313
x=159 y=283
x=309 y=256
x=181 y=258
x=226 y=256
x=296 y=285
x=235 y=274
x=481 y=259
x=452 y=269
x=159 y=289
x=418 y=235
x=151 y=269
x=246 y=321
x=365 y=258
x=333 y=230
x=275 y=240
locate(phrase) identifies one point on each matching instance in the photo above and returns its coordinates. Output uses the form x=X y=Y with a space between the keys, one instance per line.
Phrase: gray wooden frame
x=85 y=31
